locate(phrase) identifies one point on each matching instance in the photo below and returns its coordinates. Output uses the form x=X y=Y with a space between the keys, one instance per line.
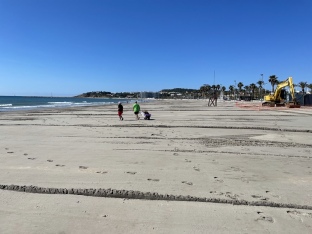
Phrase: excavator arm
x=279 y=88
x=274 y=99
x=292 y=88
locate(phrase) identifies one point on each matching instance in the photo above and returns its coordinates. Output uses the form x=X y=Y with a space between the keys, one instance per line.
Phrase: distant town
x=254 y=91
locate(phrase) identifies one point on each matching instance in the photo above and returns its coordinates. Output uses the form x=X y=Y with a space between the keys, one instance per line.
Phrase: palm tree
x=253 y=87
x=310 y=87
x=273 y=81
x=260 y=83
x=218 y=87
x=302 y=85
x=240 y=85
x=223 y=88
x=246 y=87
x=204 y=89
x=231 y=88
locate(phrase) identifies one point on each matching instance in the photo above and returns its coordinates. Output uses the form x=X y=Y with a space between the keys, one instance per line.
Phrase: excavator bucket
x=293 y=105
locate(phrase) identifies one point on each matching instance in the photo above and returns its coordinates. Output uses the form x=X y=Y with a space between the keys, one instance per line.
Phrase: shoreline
x=45 y=103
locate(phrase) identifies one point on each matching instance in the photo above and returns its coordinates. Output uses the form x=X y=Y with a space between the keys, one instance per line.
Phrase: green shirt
x=136 y=107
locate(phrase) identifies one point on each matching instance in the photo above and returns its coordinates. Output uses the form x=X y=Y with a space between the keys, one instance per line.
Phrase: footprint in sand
x=186 y=160
x=156 y=180
x=299 y=214
x=49 y=160
x=83 y=167
x=265 y=218
x=188 y=183
x=102 y=172
x=196 y=168
x=236 y=169
x=231 y=195
x=131 y=172
x=218 y=180
x=10 y=152
x=216 y=193
x=25 y=154
x=31 y=158
x=245 y=180
x=6 y=148
x=59 y=165
x=273 y=195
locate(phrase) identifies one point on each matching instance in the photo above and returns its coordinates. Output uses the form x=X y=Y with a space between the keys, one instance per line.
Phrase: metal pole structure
x=214 y=77
x=262 y=84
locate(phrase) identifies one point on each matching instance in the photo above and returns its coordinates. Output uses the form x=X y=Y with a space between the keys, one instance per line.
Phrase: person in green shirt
x=136 y=110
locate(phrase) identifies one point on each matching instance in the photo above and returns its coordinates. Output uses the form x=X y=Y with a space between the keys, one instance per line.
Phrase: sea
x=14 y=103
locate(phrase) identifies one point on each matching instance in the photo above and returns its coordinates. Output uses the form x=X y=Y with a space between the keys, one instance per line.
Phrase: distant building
x=149 y=94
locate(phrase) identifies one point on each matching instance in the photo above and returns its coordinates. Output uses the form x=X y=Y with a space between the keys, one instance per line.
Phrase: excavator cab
x=283 y=94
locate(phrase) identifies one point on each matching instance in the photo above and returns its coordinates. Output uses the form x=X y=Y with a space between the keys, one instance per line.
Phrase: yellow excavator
x=278 y=98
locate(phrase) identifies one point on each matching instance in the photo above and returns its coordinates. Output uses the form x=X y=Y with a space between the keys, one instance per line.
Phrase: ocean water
x=11 y=103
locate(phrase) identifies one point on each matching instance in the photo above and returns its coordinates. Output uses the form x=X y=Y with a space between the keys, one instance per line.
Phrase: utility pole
x=214 y=77
x=261 y=87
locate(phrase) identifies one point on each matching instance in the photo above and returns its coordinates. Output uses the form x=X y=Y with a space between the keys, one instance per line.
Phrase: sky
x=69 y=47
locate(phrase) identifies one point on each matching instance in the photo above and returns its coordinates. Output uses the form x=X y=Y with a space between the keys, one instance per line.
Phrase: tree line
x=255 y=91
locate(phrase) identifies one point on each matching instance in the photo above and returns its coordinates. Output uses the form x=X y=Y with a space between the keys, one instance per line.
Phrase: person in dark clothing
x=146 y=115
x=120 y=110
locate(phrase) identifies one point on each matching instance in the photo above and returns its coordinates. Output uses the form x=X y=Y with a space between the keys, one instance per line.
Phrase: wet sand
x=234 y=168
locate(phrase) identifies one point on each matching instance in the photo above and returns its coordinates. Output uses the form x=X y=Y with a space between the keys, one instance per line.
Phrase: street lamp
x=262 y=86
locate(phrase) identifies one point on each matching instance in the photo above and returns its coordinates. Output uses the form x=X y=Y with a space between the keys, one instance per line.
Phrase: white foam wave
x=5 y=105
x=84 y=103
x=59 y=103
x=8 y=107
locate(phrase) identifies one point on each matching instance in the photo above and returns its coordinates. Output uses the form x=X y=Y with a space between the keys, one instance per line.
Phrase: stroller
x=146 y=115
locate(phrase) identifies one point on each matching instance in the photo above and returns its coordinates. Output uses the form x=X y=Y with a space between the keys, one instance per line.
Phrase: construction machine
x=278 y=98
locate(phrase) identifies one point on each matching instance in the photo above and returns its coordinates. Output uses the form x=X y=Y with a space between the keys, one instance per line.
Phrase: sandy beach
x=234 y=168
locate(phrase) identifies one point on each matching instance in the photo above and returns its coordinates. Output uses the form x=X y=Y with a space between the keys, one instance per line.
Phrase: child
x=146 y=115
x=120 y=111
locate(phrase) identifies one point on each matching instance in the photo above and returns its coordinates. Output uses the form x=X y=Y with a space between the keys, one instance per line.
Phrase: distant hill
x=95 y=94
x=105 y=94
x=179 y=90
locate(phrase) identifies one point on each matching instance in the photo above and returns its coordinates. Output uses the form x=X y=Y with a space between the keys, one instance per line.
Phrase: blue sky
x=68 y=47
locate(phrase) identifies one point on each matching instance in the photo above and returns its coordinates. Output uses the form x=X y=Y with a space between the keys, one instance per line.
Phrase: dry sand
x=250 y=169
